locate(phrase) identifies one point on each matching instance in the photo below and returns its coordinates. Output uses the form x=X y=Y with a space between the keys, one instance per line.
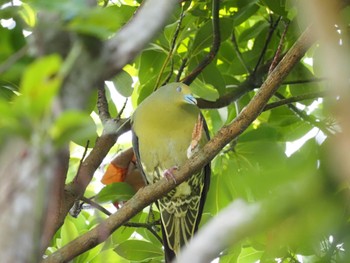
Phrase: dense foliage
x=223 y=49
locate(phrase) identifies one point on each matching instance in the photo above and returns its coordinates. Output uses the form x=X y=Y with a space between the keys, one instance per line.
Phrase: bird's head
x=179 y=93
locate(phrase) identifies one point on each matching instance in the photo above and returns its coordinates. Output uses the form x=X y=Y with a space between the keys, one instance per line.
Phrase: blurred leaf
x=248 y=255
x=39 y=85
x=74 y=126
x=28 y=14
x=204 y=91
x=115 y=192
x=123 y=83
x=139 y=250
x=278 y=7
x=245 y=12
x=6 y=93
x=98 y=22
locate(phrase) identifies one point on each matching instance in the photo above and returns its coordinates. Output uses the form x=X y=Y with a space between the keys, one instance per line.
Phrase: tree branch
x=252 y=82
x=285 y=101
x=214 y=48
x=268 y=39
x=130 y=40
x=151 y=193
x=102 y=104
x=308 y=118
x=279 y=49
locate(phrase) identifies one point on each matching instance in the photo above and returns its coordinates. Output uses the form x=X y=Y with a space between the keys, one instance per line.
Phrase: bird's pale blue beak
x=190 y=99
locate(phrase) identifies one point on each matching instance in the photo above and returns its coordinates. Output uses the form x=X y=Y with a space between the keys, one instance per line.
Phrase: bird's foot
x=169 y=173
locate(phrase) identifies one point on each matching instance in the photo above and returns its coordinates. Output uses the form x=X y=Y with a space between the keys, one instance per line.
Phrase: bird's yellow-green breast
x=163 y=123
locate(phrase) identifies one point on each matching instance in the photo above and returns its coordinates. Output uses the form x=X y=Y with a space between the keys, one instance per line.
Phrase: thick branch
x=151 y=193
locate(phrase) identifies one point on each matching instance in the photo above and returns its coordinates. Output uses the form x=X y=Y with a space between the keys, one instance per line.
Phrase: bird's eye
x=178 y=89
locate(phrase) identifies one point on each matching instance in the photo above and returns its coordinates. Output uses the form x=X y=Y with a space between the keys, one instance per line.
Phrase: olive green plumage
x=167 y=129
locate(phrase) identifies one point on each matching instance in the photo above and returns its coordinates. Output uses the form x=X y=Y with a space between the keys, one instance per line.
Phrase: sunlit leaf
x=123 y=83
x=115 y=192
x=204 y=91
x=139 y=250
x=74 y=126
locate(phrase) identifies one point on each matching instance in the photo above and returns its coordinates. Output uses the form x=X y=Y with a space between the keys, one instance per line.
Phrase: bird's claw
x=168 y=173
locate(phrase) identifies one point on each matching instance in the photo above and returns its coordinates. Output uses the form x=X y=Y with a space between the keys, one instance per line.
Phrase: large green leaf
x=115 y=192
x=139 y=250
x=74 y=126
x=245 y=12
x=123 y=83
x=204 y=91
x=278 y=7
x=39 y=85
x=102 y=22
x=204 y=36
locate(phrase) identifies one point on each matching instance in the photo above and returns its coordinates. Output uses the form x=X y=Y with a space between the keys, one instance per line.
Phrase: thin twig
x=76 y=208
x=171 y=72
x=95 y=205
x=122 y=110
x=276 y=58
x=214 y=48
x=238 y=52
x=181 y=69
x=308 y=118
x=172 y=48
x=286 y=101
x=267 y=42
x=148 y=226
x=13 y=59
x=302 y=81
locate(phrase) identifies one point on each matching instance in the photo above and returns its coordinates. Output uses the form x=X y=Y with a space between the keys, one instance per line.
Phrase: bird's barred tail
x=181 y=214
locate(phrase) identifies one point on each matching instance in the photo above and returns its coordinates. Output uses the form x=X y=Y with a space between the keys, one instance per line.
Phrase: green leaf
x=150 y=65
x=98 y=22
x=253 y=31
x=108 y=256
x=278 y=7
x=68 y=231
x=115 y=192
x=139 y=250
x=74 y=126
x=39 y=85
x=204 y=91
x=248 y=255
x=6 y=92
x=244 y=13
x=123 y=83
x=11 y=123
x=204 y=36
